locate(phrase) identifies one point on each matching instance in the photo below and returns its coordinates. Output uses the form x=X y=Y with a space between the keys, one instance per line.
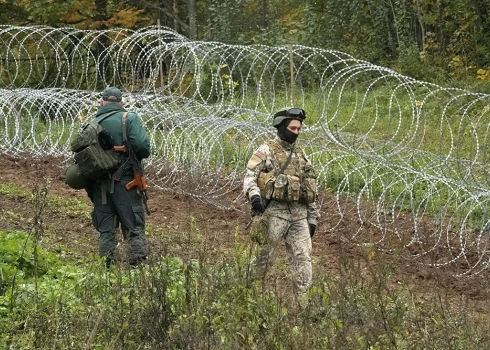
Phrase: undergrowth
x=176 y=304
x=47 y=302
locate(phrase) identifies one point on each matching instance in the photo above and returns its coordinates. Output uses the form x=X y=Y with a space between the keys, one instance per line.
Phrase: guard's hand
x=312 y=229
x=258 y=204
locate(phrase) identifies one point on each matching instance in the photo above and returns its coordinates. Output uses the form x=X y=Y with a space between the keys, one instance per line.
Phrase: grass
x=74 y=207
x=175 y=304
x=385 y=128
x=379 y=128
x=358 y=302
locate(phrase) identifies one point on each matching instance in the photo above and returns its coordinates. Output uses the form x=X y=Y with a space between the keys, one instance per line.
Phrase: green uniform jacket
x=135 y=132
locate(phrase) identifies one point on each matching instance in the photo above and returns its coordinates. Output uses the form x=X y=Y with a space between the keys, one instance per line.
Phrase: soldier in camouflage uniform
x=280 y=183
x=113 y=204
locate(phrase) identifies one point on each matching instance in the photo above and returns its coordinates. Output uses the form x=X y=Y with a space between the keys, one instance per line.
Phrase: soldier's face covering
x=289 y=130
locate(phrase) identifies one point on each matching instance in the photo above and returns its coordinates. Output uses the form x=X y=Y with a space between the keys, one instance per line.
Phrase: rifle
x=139 y=181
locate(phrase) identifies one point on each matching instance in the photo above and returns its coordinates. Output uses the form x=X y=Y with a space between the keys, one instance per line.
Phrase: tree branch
x=181 y=23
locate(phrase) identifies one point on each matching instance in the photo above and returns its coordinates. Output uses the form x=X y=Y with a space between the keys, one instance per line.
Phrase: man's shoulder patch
x=254 y=161
x=259 y=154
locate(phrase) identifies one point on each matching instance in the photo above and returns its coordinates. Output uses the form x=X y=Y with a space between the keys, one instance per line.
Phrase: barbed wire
x=406 y=159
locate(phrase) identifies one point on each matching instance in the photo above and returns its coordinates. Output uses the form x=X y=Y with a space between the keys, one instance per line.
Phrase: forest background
x=446 y=42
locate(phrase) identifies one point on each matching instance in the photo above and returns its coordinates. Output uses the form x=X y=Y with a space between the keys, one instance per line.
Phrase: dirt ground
x=181 y=226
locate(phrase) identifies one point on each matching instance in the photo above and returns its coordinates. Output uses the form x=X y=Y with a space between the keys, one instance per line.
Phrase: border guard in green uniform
x=116 y=198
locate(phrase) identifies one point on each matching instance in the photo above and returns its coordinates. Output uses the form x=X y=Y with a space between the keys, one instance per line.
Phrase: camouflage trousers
x=296 y=236
x=123 y=208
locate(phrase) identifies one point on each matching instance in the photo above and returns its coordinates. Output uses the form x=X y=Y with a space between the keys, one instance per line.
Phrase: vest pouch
x=308 y=191
x=294 y=187
x=281 y=188
x=265 y=182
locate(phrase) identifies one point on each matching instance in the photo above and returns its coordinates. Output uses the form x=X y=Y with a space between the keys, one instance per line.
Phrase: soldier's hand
x=257 y=203
x=312 y=229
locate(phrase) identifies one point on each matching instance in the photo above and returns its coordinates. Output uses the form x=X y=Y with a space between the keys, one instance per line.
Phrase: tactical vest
x=296 y=183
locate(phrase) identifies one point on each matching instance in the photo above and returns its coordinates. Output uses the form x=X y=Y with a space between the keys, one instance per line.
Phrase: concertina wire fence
x=405 y=160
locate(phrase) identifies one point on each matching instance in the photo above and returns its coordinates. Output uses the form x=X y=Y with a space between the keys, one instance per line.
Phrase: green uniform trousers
x=122 y=207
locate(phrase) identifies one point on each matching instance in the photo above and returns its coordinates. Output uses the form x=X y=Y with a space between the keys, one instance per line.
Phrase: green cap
x=112 y=94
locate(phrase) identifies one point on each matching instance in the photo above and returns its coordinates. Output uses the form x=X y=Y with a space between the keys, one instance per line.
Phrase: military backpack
x=94 y=150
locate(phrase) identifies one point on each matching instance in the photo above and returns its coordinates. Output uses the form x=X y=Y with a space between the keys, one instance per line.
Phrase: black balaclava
x=284 y=133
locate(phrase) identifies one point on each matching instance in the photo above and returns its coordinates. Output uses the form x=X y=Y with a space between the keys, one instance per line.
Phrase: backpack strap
x=102 y=191
x=105 y=116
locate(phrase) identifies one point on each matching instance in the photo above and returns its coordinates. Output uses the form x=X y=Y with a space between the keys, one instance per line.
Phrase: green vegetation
x=47 y=301
x=440 y=42
x=175 y=304
x=67 y=206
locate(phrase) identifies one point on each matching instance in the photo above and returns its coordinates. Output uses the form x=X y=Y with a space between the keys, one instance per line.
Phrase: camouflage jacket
x=263 y=160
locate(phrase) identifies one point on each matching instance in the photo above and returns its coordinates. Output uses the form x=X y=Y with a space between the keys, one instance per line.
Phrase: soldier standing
x=280 y=183
x=114 y=204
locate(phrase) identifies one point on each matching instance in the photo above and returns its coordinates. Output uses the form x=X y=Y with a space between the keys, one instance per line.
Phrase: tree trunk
x=103 y=41
x=264 y=14
x=192 y=19
x=175 y=12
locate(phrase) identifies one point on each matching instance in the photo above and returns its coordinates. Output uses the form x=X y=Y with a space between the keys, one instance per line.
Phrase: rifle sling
x=129 y=148
x=124 y=128
x=118 y=173
x=132 y=154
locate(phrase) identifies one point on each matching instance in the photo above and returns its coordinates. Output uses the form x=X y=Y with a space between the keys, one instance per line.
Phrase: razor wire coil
x=406 y=159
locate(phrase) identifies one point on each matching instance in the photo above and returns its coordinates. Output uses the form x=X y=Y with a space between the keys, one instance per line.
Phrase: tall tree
x=192 y=19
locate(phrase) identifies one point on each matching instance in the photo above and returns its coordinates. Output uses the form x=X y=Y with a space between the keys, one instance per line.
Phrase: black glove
x=258 y=204
x=312 y=229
